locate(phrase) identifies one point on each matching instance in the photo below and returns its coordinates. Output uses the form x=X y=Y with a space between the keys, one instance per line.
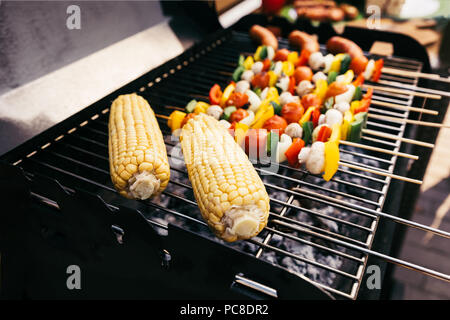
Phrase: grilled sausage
x=336 y=14
x=304 y=41
x=351 y=12
x=341 y=45
x=263 y=36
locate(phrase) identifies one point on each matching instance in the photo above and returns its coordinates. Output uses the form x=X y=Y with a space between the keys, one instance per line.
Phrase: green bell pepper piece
x=358 y=94
x=228 y=111
x=191 y=106
x=272 y=142
x=238 y=73
x=332 y=77
x=308 y=128
x=276 y=107
x=345 y=63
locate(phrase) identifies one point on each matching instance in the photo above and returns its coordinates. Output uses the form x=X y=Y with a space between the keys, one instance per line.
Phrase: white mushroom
x=242 y=86
x=263 y=94
x=321 y=119
x=253 y=99
x=278 y=68
x=257 y=67
x=319 y=75
x=248 y=119
x=270 y=53
x=214 y=111
x=283 y=83
x=316 y=158
x=369 y=69
x=328 y=60
x=286 y=97
x=303 y=154
x=294 y=130
x=333 y=116
x=304 y=87
x=316 y=60
x=247 y=75
x=342 y=106
x=347 y=96
x=282 y=146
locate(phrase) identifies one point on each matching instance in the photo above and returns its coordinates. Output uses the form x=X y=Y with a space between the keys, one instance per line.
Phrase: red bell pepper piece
x=291 y=87
x=377 y=72
x=303 y=59
x=293 y=151
x=266 y=64
x=369 y=94
x=364 y=106
x=359 y=80
x=324 y=134
x=315 y=116
x=215 y=94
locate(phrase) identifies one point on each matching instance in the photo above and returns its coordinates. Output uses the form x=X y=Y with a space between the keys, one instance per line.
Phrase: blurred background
x=49 y=71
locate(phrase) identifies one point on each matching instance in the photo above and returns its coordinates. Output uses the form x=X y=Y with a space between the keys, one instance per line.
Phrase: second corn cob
x=229 y=192
x=137 y=154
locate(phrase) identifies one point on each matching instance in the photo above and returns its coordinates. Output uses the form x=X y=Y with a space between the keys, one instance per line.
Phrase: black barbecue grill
x=320 y=238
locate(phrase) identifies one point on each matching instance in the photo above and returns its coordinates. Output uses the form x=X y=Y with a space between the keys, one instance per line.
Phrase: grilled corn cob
x=137 y=154
x=229 y=192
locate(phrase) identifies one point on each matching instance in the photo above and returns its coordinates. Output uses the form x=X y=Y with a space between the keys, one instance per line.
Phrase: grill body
x=161 y=248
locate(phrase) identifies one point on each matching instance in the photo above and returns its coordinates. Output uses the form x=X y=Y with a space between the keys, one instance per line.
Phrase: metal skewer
x=413 y=74
x=402 y=91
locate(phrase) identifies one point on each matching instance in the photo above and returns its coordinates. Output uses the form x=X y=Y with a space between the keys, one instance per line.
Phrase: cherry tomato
x=292 y=112
x=275 y=123
x=303 y=73
x=281 y=55
x=238 y=115
x=310 y=100
x=266 y=64
x=237 y=99
x=261 y=80
x=335 y=89
x=255 y=142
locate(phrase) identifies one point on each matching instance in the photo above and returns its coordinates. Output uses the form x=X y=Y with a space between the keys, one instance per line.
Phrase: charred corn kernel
x=293 y=57
x=137 y=154
x=248 y=63
x=226 y=94
x=331 y=159
x=272 y=78
x=321 y=88
x=288 y=68
x=201 y=107
x=230 y=194
x=175 y=120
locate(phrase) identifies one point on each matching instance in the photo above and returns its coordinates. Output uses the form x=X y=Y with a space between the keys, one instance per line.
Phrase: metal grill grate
x=324 y=230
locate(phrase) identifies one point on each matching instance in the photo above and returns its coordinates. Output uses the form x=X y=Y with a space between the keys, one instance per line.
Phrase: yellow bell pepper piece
x=175 y=119
x=239 y=132
x=269 y=113
x=248 y=63
x=293 y=57
x=201 y=107
x=335 y=133
x=331 y=159
x=306 y=116
x=288 y=68
x=321 y=88
x=261 y=110
x=348 y=77
x=226 y=94
x=257 y=53
x=336 y=64
x=354 y=105
x=345 y=127
x=272 y=95
x=273 y=78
